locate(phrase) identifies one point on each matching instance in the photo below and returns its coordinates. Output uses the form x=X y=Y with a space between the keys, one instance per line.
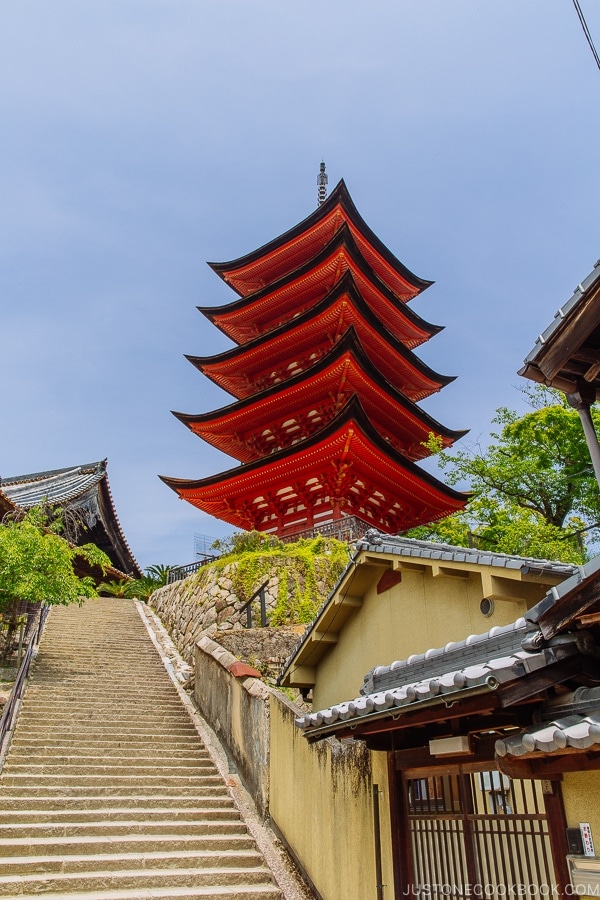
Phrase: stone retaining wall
x=204 y=604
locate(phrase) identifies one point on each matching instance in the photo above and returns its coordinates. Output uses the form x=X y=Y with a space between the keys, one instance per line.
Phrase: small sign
x=586 y=836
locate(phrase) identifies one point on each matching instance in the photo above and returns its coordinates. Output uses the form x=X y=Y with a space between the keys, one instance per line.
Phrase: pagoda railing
x=178 y=573
x=348 y=528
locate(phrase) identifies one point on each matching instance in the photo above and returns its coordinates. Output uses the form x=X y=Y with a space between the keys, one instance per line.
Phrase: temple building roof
x=290 y=250
x=340 y=262
x=285 y=413
x=346 y=465
x=566 y=355
x=542 y=669
x=85 y=491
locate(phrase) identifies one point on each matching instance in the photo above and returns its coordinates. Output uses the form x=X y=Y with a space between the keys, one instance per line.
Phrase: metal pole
x=377 y=837
x=263 y=608
x=591 y=437
x=20 y=650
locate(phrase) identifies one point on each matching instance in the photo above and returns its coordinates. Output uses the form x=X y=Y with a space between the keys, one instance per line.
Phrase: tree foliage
x=154 y=577
x=532 y=488
x=36 y=564
x=306 y=570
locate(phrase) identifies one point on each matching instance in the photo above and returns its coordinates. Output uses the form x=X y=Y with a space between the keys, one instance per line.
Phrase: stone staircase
x=107 y=792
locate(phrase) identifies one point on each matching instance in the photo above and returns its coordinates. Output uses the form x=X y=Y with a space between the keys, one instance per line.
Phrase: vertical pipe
x=591 y=438
x=263 y=608
x=20 y=650
x=377 y=836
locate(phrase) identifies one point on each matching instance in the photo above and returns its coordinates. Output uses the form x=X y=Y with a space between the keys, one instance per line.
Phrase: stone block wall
x=204 y=605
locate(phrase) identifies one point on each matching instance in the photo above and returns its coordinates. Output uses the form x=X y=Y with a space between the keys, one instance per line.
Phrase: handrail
x=13 y=704
x=260 y=592
x=178 y=573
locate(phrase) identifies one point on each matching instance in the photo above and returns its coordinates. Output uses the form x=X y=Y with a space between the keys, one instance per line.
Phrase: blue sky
x=140 y=139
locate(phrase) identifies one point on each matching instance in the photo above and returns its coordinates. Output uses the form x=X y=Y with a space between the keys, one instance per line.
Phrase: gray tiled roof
x=85 y=488
x=476 y=648
x=562 y=313
x=577 y=732
x=54 y=486
x=443 y=683
x=569 y=722
x=375 y=542
x=557 y=593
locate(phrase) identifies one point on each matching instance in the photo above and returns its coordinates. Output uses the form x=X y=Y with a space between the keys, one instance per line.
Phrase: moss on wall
x=306 y=569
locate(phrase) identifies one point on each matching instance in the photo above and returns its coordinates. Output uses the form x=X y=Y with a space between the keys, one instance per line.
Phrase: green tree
x=36 y=565
x=532 y=488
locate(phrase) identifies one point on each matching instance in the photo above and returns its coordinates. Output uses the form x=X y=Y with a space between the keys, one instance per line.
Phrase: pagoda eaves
x=346 y=468
x=325 y=422
x=290 y=250
x=295 y=346
x=339 y=262
x=285 y=413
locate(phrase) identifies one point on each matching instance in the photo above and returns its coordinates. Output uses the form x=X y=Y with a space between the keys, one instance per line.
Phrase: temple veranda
x=108 y=792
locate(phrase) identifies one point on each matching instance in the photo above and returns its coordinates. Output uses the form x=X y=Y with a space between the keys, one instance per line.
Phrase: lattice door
x=478 y=834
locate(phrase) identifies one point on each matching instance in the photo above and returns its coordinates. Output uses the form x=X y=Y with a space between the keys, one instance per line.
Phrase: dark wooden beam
x=535 y=685
x=574 y=332
x=421 y=758
x=479 y=704
x=567 y=608
x=549 y=766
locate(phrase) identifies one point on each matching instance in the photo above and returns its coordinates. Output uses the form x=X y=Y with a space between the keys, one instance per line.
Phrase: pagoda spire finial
x=321 y=184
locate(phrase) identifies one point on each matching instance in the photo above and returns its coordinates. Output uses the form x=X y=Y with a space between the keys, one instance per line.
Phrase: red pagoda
x=325 y=421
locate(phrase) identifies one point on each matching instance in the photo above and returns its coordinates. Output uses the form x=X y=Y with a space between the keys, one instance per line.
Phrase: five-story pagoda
x=325 y=421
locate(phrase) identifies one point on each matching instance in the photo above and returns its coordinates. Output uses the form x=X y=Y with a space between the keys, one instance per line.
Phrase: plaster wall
x=319 y=797
x=236 y=708
x=322 y=804
x=420 y=612
x=581 y=796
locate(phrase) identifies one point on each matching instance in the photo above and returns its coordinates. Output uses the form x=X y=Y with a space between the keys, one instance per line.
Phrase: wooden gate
x=477 y=834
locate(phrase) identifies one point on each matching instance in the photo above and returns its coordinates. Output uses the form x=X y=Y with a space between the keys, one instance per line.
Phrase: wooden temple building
x=83 y=494
x=324 y=425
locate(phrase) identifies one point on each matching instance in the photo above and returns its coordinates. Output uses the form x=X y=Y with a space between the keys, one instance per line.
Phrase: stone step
x=27 y=817
x=208 y=786
x=54 y=805
x=102 y=740
x=58 y=845
x=127 y=828
x=71 y=702
x=137 y=879
x=76 y=753
x=111 y=717
x=132 y=782
x=174 y=859
x=240 y=892
x=78 y=731
x=94 y=765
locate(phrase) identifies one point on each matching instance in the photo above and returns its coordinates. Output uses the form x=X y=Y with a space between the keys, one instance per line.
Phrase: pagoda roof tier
x=283 y=414
x=346 y=468
x=296 y=345
x=290 y=250
x=258 y=313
